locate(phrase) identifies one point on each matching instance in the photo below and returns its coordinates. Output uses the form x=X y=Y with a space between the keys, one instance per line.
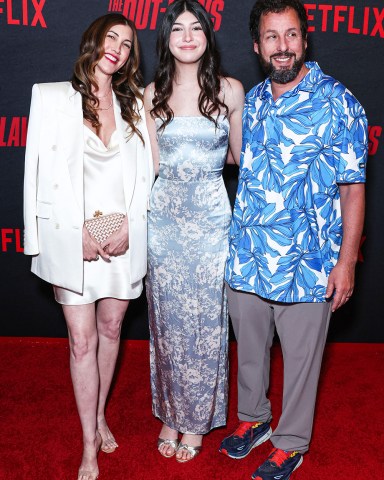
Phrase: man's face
x=281 y=47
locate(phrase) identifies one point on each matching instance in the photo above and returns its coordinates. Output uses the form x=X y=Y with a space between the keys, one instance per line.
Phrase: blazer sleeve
x=31 y=244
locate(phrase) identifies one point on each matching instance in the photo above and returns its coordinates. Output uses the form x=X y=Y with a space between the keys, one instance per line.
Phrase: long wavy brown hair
x=126 y=83
x=209 y=73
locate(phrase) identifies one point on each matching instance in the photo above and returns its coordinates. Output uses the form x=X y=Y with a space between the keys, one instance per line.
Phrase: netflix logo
x=10 y=239
x=27 y=13
x=346 y=18
x=374 y=134
x=13 y=131
x=145 y=13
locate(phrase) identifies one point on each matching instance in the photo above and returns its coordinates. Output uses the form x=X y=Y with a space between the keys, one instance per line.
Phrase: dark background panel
x=350 y=50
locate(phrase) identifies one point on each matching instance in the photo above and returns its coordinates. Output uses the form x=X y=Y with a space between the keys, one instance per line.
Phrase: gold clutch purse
x=102 y=226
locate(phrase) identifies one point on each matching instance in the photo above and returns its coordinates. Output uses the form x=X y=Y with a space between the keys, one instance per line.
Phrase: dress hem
x=188 y=430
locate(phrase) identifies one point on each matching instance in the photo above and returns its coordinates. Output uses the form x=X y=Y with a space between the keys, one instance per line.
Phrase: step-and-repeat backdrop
x=39 y=43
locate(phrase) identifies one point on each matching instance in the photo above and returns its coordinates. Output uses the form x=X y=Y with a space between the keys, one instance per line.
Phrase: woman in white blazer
x=88 y=154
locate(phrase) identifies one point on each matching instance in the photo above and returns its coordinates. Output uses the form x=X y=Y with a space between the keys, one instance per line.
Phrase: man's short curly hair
x=262 y=7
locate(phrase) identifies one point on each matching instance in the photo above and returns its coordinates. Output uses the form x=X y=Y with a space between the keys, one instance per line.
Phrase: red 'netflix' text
x=10 y=239
x=346 y=18
x=27 y=13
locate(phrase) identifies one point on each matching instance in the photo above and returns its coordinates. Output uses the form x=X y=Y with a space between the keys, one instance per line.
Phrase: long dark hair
x=126 y=82
x=209 y=67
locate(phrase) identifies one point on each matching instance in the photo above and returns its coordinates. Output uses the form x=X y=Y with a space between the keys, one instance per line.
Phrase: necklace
x=105 y=96
x=109 y=106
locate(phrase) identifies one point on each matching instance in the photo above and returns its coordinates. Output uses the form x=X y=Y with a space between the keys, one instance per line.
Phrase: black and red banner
x=39 y=43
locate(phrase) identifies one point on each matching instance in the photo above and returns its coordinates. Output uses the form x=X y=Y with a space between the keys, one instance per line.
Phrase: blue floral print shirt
x=286 y=229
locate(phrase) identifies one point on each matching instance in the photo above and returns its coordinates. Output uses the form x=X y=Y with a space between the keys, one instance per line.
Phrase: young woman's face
x=117 y=47
x=187 y=41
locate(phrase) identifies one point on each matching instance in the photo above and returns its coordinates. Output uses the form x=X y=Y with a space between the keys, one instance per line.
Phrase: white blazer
x=53 y=186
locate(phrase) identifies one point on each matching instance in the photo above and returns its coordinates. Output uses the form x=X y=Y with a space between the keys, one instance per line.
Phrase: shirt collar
x=307 y=84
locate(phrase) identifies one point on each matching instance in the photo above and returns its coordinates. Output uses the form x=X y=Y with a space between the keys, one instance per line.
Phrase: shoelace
x=278 y=456
x=243 y=427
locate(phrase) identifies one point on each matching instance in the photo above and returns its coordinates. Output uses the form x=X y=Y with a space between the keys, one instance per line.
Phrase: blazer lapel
x=128 y=152
x=72 y=140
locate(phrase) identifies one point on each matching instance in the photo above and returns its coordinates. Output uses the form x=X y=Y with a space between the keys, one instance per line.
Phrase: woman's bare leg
x=83 y=340
x=109 y=315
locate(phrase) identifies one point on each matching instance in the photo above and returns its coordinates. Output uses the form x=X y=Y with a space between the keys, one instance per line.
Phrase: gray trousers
x=302 y=329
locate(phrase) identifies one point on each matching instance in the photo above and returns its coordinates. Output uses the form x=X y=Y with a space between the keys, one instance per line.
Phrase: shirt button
x=56 y=186
x=144 y=217
x=143 y=179
x=57 y=226
x=54 y=148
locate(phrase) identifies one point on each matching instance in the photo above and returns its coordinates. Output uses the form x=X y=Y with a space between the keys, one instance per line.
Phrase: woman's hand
x=118 y=242
x=91 y=249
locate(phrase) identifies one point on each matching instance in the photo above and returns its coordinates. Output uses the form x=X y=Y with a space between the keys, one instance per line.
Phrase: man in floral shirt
x=296 y=228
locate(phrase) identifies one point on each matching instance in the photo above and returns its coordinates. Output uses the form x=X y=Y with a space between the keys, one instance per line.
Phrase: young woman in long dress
x=193 y=115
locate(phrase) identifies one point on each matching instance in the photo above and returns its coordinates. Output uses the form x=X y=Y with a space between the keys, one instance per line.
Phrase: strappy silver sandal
x=169 y=443
x=194 y=451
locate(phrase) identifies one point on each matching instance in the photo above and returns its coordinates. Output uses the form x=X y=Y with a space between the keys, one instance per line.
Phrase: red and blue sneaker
x=279 y=465
x=248 y=435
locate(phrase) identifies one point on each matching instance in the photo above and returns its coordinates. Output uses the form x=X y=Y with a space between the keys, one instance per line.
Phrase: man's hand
x=342 y=278
x=340 y=284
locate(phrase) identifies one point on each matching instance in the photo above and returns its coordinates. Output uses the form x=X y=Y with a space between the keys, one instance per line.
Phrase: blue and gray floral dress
x=188 y=244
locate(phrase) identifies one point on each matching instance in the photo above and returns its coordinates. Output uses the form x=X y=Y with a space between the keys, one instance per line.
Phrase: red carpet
x=41 y=439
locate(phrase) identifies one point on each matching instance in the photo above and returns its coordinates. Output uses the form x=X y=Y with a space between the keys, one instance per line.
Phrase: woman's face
x=117 y=47
x=187 y=41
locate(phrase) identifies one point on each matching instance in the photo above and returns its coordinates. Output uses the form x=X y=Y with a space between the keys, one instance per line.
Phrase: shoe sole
x=258 y=442
x=297 y=466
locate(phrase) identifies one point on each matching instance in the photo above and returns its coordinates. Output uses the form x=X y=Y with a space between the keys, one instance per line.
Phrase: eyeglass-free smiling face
x=117 y=48
x=187 y=41
x=281 y=47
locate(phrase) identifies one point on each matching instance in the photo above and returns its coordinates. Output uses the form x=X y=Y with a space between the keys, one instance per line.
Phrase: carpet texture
x=41 y=437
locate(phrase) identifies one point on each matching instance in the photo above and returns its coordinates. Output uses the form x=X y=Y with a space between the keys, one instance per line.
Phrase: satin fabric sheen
x=103 y=191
